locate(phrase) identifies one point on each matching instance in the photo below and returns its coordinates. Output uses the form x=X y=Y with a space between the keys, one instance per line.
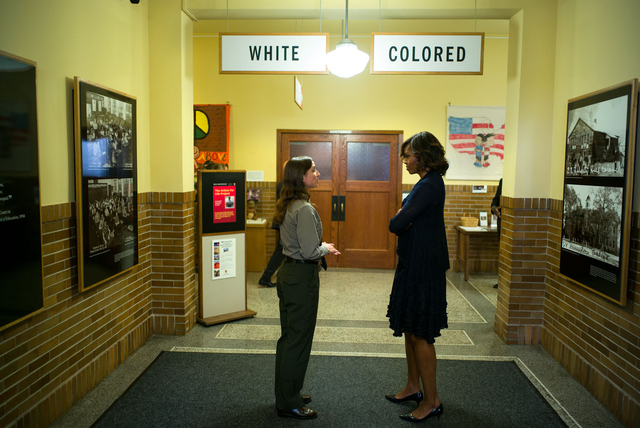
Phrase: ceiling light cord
x=346 y=23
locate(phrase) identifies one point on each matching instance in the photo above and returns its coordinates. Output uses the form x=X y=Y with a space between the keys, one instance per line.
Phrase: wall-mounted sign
x=297 y=91
x=427 y=53
x=293 y=53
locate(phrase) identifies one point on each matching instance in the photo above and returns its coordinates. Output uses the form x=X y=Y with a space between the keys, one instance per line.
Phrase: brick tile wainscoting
x=523 y=255
x=596 y=340
x=460 y=201
x=51 y=360
x=173 y=286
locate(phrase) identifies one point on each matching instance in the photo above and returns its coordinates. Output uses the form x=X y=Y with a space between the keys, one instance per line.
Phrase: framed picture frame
x=475 y=142
x=105 y=128
x=21 y=265
x=598 y=189
x=479 y=188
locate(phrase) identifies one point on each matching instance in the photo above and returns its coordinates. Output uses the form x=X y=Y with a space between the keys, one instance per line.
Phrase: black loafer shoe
x=266 y=283
x=301 y=413
x=306 y=398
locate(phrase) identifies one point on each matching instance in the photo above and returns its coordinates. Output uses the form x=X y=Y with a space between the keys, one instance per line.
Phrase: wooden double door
x=360 y=185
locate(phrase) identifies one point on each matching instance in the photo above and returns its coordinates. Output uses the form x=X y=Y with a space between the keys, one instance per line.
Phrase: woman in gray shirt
x=298 y=284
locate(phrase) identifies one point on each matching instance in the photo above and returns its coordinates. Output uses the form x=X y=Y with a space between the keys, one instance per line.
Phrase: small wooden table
x=256 y=245
x=462 y=254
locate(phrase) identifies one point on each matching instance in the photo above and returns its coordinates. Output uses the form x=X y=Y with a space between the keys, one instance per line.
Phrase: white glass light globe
x=346 y=60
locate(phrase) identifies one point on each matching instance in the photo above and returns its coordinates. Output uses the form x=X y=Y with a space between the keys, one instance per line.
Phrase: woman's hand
x=332 y=250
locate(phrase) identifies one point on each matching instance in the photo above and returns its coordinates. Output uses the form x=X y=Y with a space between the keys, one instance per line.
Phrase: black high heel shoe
x=417 y=397
x=438 y=411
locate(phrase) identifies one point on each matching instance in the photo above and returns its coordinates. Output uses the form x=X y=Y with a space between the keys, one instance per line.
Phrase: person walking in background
x=496 y=209
x=298 y=284
x=277 y=257
x=418 y=302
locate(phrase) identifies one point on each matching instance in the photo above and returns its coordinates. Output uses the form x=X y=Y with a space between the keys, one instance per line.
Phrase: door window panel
x=320 y=152
x=368 y=161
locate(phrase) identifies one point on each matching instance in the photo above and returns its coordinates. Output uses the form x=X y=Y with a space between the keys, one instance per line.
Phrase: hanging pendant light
x=346 y=60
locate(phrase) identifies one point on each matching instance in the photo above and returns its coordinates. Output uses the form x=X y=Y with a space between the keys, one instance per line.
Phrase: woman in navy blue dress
x=418 y=302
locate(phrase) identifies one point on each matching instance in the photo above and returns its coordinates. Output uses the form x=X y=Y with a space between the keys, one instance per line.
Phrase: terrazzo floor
x=351 y=321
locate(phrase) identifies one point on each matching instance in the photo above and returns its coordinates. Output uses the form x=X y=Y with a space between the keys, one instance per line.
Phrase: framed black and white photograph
x=106 y=185
x=598 y=189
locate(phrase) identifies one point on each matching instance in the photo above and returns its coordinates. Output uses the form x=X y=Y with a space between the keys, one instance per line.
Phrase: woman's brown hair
x=430 y=153
x=292 y=185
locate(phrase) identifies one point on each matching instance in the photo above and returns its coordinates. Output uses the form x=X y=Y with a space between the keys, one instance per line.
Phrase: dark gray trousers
x=298 y=290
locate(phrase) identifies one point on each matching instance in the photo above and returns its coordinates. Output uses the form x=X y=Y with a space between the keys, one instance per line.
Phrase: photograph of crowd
x=111 y=213
x=591 y=223
x=109 y=133
x=596 y=139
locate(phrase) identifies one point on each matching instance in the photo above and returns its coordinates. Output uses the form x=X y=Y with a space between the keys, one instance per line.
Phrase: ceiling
x=335 y=9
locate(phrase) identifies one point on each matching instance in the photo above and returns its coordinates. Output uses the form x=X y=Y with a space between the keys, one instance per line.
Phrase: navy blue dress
x=418 y=302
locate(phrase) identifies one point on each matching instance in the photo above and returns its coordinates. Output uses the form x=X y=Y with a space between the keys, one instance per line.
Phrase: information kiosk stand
x=221 y=237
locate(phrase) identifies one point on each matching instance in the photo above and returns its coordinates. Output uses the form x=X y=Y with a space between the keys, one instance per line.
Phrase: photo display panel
x=598 y=188
x=21 y=292
x=106 y=185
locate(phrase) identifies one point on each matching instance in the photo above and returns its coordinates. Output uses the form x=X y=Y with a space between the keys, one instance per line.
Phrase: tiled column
x=523 y=259
x=173 y=286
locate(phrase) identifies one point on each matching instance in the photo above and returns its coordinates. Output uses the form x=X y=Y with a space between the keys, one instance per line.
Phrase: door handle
x=338 y=201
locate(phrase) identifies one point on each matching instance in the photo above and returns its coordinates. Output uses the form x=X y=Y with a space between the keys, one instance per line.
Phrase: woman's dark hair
x=428 y=150
x=292 y=185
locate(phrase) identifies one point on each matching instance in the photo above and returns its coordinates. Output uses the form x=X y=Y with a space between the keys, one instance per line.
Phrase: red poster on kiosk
x=224 y=204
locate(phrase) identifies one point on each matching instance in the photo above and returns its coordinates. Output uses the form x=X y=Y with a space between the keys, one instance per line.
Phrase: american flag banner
x=463 y=132
x=475 y=142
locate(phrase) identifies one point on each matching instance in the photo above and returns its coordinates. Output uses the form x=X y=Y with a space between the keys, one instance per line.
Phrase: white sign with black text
x=301 y=53
x=427 y=53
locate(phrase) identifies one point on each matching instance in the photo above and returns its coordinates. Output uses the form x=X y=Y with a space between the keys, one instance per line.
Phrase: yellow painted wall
x=596 y=48
x=102 y=41
x=594 y=44
x=261 y=104
x=530 y=101
x=186 y=164
x=171 y=97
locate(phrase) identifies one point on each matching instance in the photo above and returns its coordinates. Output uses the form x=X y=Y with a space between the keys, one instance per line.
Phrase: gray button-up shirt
x=301 y=232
